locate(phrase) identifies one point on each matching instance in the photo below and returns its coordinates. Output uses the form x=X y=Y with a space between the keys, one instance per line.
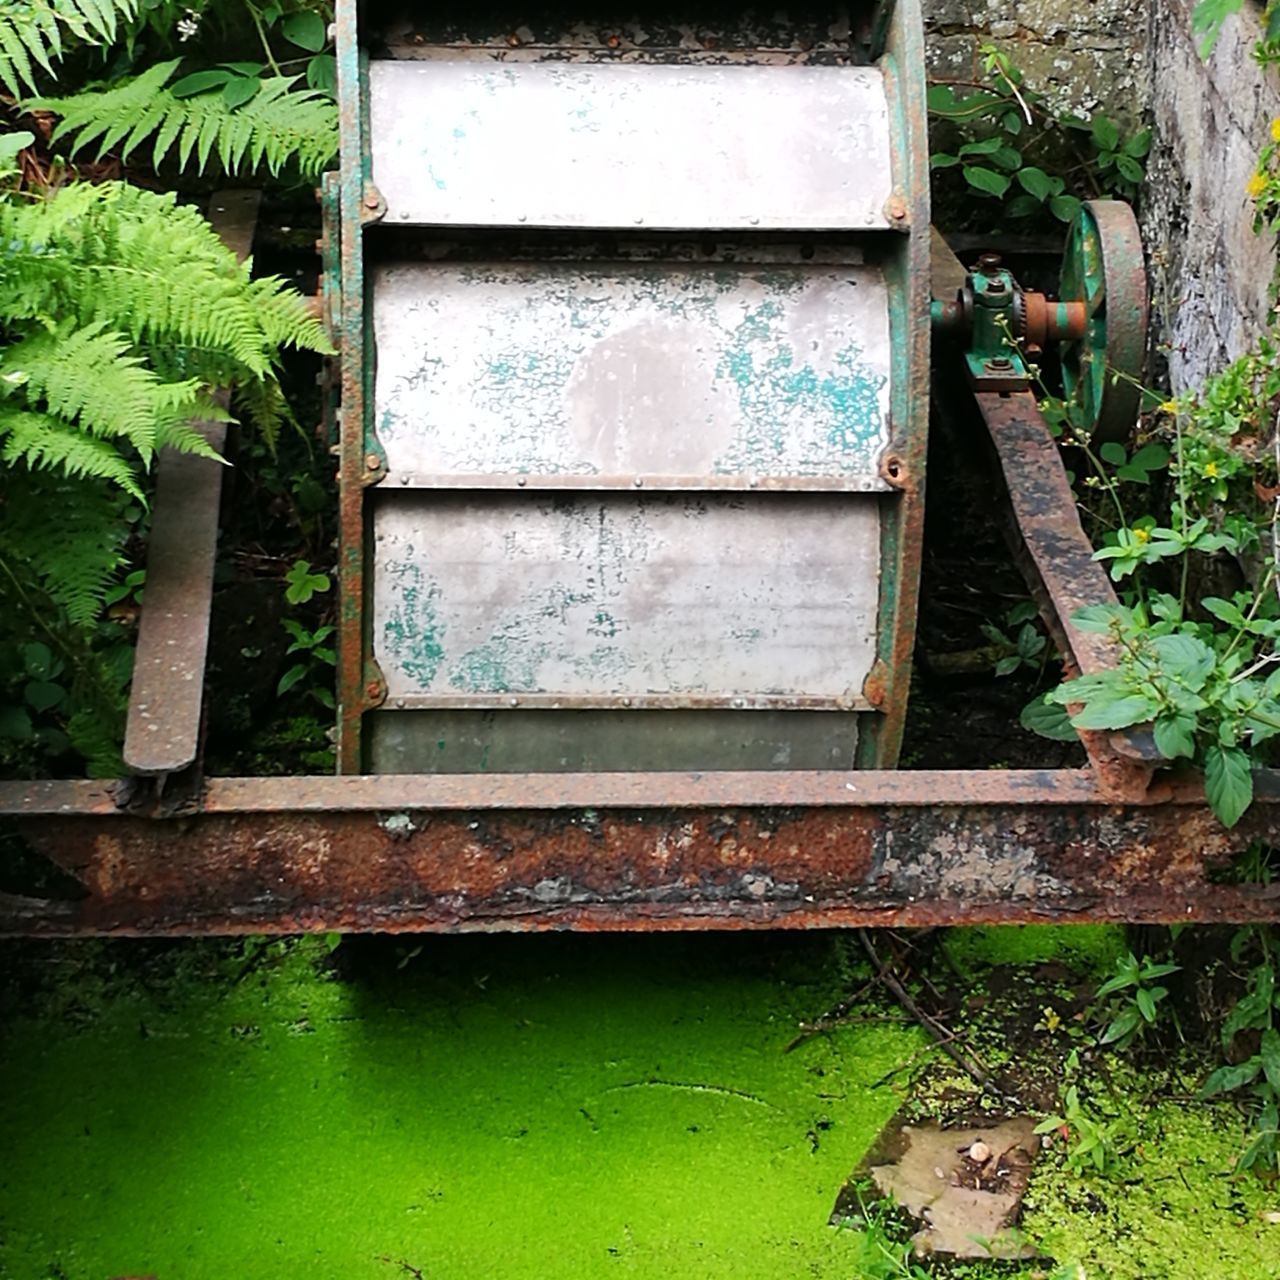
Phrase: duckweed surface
x=515 y=1107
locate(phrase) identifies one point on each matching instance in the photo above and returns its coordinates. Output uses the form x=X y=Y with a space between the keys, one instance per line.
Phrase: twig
x=919 y=1053
x=833 y=1016
x=941 y=1034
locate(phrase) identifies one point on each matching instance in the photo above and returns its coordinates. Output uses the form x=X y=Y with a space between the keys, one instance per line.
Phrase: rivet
x=626 y=702
x=400 y=703
x=755 y=222
x=405 y=479
x=753 y=483
x=522 y=217
x=403 y=215
x=371 y=461
x=639 y=222
x=521 y=481
x=515 y=702
x=638 y=482
x=371 y=200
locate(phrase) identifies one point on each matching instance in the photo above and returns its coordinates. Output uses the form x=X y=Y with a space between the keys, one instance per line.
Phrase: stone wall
x=1087 y=55
x=1211 y=274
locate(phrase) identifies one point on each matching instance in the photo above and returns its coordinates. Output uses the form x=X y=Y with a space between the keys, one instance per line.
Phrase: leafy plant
x=1209 y=15
x=33 y=34
x=1255 y=1078
x=1010 y=139
x=1136 y=997
x=1023 y=643
x=302 y=583
x=120 y=312
x=1093 y=1142
x=231 y=114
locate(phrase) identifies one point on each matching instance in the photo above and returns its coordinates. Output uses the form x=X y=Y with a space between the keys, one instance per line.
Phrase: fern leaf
x=42 y=442
x=68 y=535
x=279 y=124
x=31 y=33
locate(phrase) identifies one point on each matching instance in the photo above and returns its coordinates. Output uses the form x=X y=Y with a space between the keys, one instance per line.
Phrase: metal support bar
x=638 y=852
x=162 y=735
x=1056 y=558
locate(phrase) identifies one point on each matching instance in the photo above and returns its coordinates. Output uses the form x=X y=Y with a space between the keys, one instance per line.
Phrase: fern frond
x=89 y=377
x=31 y=34
x=279 y=124
x=43 y=442
x=67 y=534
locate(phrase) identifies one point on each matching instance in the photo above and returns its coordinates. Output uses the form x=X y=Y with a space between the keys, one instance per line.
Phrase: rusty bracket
x=639 y=852
x=1057 y=561
x=162 y=735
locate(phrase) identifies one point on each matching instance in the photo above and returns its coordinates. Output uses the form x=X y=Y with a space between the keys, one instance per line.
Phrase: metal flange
x=1103 y=268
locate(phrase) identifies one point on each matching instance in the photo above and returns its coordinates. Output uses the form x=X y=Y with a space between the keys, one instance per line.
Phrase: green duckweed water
x=527 y=1107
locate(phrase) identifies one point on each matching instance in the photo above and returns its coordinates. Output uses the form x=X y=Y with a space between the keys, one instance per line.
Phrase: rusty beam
x=162 y=734
x=638 y=852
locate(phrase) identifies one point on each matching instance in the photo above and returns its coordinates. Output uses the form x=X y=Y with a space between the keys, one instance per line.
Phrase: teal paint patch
x=413 y=632
x=775 y=390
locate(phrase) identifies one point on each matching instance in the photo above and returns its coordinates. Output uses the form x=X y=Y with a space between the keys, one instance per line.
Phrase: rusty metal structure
x=631 y=407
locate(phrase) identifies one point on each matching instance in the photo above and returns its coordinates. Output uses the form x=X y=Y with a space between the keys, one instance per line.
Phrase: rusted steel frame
x=359 y=204
x=162 y=734
x=903 y=465
x=1056 y=558
x=636 y=702
x=984 y=848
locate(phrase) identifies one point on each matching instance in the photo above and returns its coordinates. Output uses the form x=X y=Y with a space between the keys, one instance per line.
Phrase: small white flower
x=188 y=25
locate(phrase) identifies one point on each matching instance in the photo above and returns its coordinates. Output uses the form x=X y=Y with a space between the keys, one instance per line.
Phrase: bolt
x=372 y=689
x=989 y=262
x=897 y=209
x=400 y=704
x=995 y=286
x=371 y=200
x=639 y=222
x=1000 y=364
x=372 y=461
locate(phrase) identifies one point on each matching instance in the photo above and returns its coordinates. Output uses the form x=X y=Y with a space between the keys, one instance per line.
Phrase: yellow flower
x=1211 y=470
x=1141 y=536
x=1170 y=407
x=1052 y=1019
x=1257 y=185
x=1275 y=130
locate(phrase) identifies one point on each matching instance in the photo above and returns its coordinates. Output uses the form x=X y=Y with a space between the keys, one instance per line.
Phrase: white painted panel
x=678 y=596
x=612 y=145
x=633 y=370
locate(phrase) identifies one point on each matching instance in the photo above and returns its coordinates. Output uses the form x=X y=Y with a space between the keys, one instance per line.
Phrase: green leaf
x=1097 y=618
x=1007 y=666
x=1146 y=1003
x=11 y=144
x=1139 y=146
x=238 y=91
x=1187 y=659
x=38 y=660
x=43 y=695
x=1229 y=1079
x=1125 y=1024
x=200 y=82
x=15 y=723
x=1151 y=457
x=983 y=147
x=306 y=30
x=1106 y=134
x=1065 y=208
x=291 y=678
x=1113 y=453
x=245 y=68
x=1228 y=783
x=943 y=160
x=1048 y=720
x=1224 y=611
x=322 y=74
x=1130 y=169
x=1036 y=182
x=1116 y=713
x=1009 y=158
x=987 y=181
x=1175 y=735
x=1269 y=1052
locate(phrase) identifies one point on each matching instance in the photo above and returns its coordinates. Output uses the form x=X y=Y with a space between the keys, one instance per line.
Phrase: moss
x=1172 y=1210
x=1085 y=948
x=529 y=1107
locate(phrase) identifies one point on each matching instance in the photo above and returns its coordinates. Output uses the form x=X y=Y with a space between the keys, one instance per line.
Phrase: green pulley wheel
x=1102 y=366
